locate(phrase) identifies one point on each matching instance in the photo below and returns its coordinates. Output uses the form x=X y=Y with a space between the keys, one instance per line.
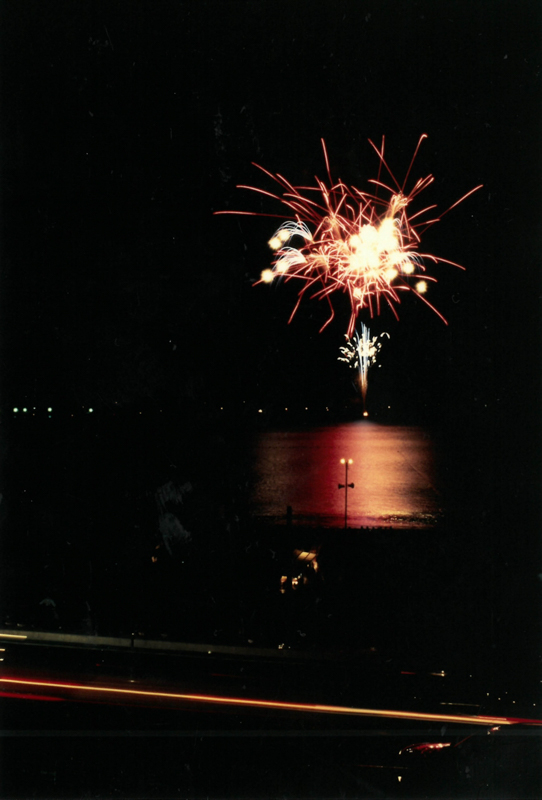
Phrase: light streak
x=424 y=747
x=26 y=696
x=360 y=353
x=352 y=241
x=273 y=704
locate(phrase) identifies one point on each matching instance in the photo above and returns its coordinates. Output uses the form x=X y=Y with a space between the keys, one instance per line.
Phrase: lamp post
x=346 y=486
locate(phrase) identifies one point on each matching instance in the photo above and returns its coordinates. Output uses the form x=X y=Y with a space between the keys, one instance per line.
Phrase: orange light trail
x=357 y=243
x=279 y=705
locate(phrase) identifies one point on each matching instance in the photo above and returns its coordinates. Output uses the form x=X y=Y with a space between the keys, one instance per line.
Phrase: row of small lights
x=261 y=410
x=26 y=410
x=49 y=410
x=91 y=410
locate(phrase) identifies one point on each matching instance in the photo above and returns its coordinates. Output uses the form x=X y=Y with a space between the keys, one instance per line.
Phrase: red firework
x=352 y=241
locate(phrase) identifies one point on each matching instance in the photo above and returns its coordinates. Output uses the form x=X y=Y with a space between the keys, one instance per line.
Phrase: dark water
x=393 y=471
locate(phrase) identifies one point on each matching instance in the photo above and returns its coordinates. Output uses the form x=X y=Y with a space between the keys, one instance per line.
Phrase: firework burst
x=352 y=242
x=360 y=353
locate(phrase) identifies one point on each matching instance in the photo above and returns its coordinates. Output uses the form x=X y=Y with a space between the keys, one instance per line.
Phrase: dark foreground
x=92 y=717
x=401 y=638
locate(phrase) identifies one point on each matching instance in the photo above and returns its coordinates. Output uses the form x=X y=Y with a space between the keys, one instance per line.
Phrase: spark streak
x=352 y=242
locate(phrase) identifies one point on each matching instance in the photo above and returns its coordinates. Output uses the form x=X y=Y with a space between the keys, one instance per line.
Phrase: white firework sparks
x=360 y=353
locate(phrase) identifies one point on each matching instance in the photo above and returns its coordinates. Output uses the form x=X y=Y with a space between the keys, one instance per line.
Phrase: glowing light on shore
x=352 y=242
x=360 y=353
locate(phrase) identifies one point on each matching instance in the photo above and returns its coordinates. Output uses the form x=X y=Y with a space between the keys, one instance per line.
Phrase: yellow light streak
x=279 y=705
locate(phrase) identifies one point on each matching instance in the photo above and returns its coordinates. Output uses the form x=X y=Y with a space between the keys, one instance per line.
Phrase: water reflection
x=393 y=471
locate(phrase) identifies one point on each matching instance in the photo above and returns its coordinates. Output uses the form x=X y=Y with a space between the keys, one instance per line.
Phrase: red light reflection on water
x=393 y=473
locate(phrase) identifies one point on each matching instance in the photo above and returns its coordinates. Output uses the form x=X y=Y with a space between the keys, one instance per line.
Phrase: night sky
x=125 y=125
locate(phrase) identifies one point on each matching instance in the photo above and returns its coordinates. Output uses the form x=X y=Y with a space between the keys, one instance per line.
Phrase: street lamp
x=346 y=486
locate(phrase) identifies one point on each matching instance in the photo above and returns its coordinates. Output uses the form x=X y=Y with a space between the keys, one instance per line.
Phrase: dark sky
x=124 y=125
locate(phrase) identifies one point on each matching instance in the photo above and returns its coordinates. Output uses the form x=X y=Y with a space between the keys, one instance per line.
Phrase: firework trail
x=350 y=241
x=360 y=353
